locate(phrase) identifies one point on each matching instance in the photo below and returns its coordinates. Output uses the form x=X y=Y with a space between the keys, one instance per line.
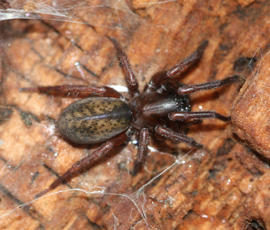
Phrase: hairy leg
x=75 y=91
x=130 y=77
x=142 y=150
x=176 y=71
x=183 y=116
x=188 y=89
x=176 y=137
x=86 y=162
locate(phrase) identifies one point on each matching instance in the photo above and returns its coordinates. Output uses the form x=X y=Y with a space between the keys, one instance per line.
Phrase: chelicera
x=105 y=116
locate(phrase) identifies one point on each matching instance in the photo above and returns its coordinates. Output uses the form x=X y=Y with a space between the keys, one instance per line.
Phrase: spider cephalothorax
x=105 y=116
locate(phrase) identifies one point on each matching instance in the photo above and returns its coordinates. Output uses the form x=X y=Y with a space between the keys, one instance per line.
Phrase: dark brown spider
x=105 y=116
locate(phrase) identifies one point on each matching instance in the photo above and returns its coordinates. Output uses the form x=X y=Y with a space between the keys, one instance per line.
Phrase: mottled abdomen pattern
x=93 y=120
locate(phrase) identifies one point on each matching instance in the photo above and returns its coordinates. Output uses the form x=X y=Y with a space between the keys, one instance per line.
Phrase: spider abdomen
x=93 y=120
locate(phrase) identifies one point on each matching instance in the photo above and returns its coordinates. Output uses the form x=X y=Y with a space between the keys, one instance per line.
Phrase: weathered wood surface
x=224 y=186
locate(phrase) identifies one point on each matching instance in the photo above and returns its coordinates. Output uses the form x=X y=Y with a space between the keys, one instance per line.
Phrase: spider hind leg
x=87 y=162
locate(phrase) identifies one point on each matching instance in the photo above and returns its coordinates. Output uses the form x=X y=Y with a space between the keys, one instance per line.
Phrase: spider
x=105 y=116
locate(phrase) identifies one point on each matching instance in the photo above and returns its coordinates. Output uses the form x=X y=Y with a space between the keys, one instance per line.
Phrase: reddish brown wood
x=223 y=187
x=251 y=110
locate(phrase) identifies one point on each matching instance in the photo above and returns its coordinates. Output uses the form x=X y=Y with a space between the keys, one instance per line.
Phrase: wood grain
x=223 y=186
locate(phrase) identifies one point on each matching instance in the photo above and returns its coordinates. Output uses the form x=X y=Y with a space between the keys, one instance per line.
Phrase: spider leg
x=142 y=150
x=183 y=116
x=177 y=137
x=176 y=71
x=130 y=77
x=187 y=89
x=86 y=162
x=75 y=91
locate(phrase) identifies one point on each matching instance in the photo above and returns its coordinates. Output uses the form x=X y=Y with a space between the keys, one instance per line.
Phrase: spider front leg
x=75 y=91
x=184 y=116
x=176 y=71
x=188 y=89
x=176 y=137
x=86 y=162
x=142 y=150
